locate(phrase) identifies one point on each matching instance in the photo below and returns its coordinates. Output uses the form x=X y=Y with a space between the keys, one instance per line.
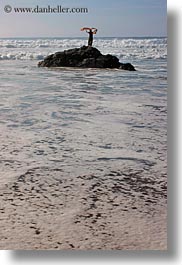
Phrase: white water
x=83 y=120
x=83 y=152
x=131 y=49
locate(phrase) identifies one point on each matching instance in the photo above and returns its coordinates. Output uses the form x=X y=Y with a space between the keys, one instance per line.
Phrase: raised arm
x=94 y=30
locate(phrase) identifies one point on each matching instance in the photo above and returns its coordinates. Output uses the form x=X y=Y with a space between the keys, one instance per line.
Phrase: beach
x=83 y=151
x=86 y=212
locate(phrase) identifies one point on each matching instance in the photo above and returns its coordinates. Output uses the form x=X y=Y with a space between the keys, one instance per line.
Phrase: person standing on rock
x=90 y=31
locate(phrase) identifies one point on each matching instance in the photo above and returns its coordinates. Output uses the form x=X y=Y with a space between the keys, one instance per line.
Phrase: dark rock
x=88 y=63
x=85 y=57
x=107 y=61
x=127 y=66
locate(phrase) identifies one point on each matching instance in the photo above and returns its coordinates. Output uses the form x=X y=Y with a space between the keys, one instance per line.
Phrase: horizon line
x=56 y=37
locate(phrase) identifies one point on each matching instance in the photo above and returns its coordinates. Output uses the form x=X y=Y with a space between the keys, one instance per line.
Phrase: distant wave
x=129 y=48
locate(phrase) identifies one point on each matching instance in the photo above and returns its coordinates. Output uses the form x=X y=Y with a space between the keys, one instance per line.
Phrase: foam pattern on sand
x=51 y=211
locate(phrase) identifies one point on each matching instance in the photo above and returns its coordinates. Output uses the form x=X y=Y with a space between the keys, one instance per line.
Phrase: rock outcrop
x=84 y=57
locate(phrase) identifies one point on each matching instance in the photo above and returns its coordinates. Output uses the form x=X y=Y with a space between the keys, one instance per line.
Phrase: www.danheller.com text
x=48 y=9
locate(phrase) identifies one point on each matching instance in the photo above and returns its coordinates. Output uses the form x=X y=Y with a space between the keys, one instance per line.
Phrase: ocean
x=98 y=125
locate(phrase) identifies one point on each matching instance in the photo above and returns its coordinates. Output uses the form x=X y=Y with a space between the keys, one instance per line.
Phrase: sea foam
x=124 y=48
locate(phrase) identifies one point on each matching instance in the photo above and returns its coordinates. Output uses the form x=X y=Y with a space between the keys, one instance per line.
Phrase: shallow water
x=83 y=152
x=85 y=119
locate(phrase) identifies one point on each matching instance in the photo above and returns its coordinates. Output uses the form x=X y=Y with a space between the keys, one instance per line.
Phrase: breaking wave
x=124 y=48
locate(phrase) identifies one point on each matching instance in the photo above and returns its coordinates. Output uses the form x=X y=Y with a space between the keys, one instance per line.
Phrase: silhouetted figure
x=90 y=38
x=91 y=31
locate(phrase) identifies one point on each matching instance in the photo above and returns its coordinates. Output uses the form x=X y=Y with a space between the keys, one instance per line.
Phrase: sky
x=113 y=18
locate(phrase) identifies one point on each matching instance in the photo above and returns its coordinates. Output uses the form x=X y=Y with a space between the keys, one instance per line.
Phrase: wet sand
x=83 y=159
x=121 y=210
